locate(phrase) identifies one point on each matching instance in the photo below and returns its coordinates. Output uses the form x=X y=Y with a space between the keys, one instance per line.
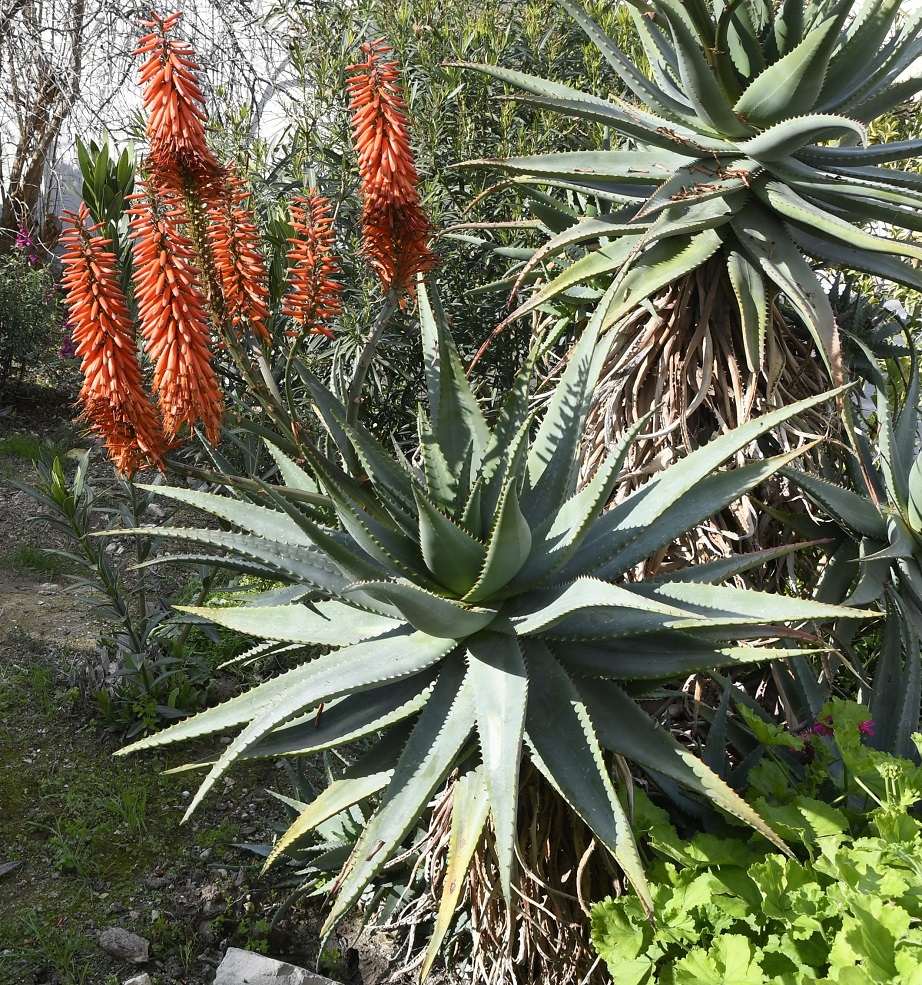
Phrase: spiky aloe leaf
x=442 y=729
x=324 y=622
x=500 y=685
x=564 y=746
x=426 y=611
x=469 y=812
x=624 y=728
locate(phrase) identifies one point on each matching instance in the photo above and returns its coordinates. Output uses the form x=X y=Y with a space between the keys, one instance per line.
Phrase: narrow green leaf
x=469 y=812
x=628 y=731
x=753 y=302
x=564 y=747
x=853 y=511
x=790 y=136
x=442 y=730
x=497 y=674
x=508 y=547
x=331 y=622
x=451 y=554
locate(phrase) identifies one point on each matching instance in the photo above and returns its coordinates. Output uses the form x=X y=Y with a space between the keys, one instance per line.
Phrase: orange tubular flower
x=394 y=226
x=113 y=395
x=314 y=296
x=175 y=105
x=240 y=269
x=172 y=315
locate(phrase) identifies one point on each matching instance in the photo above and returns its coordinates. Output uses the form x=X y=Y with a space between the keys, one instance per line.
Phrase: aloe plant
x=877 y=504
x=479 y=611
x=743 y=164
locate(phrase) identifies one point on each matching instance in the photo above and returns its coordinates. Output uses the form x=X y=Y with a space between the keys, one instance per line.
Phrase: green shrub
x=30 y=316
x=730 y=907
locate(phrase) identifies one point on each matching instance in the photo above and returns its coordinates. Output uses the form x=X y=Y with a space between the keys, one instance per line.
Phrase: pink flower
x=866 y=728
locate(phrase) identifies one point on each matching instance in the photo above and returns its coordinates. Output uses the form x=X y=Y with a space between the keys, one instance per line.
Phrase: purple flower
x=867 y=728
x=24 y=239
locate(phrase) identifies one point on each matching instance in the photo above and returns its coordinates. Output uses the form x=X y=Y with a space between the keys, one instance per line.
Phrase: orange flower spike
x=233 y=240
x=114 y=400
x=394 y=227
x=175 y=106
x=314 y=296
x=171 y=312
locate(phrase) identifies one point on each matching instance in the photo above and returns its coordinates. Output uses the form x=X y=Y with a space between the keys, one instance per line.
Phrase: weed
x=37 y=559
x=70 y=848
x=128 y=801
x=219 y=839
x=60 y=946
x=29 y=447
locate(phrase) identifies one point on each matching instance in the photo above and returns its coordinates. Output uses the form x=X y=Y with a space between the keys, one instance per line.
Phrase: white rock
x=239 y=967
x=142 y=979
x=124 y=944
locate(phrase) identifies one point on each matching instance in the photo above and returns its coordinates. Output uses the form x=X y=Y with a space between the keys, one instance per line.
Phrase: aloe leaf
x=552 y=467
x=628 y=731
x=559 y=536
x=271 y=524
x=871 y=107
x=620 y=166
x=453 y=409
x=497 y=674
x=291 y=473
x=753 y=303
x=865 y=36
x=788 y=27
x=851 y=510
x=661 y=264
x=630 y=120
x=699 y=181
x=737 y=35
x=564 y=747
x=454 y=557
x=443 y=727
x=659 y=657
x=785 y=201
x=790 y=135
x=719 y=570
x=700 y=85
x=331 y=622
x=791 y=85
x=353 y=668
x=769 y=244
x=646 y=91
x=539 y=611
x=834 y=252
x=431 y=614
x=441 y=481
x=647 y=521
x=726 y=601
x=363 y=778
x=469 y=812
x=302 y=564
x=856 y=157
x=508 y=548
x=594 y=265
x=345 y=720
x=906 y=426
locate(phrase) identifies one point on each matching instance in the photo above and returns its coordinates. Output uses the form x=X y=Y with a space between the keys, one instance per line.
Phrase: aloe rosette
x=742 y=164
x=477 y=611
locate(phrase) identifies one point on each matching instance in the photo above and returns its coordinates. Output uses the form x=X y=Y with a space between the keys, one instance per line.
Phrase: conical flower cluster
x=179 y=151
x=171 y=311
x=237 y=260
x=314 y=295
x=113 y=395
x=394 y=227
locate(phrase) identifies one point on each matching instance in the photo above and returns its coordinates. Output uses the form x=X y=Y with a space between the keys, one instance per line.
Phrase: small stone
x=142 y=979
x=123 y=944
x=256 y=969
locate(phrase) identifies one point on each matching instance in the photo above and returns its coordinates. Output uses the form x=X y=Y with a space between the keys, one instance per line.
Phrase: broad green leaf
x=790 y=86
x=432 y=614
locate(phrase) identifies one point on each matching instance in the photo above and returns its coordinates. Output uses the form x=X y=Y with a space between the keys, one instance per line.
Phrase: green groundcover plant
x=731 y=909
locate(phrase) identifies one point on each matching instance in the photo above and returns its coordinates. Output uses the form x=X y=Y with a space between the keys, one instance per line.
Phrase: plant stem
x=362 y=364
